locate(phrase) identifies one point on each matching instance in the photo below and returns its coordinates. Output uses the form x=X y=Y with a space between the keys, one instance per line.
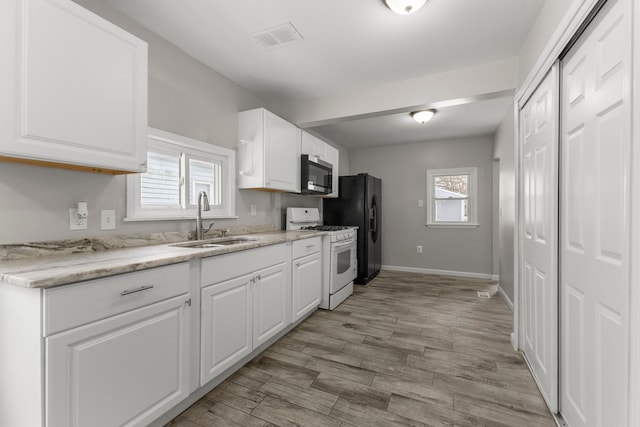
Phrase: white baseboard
x=495 y=277
x=506 y=298
x=438 y=272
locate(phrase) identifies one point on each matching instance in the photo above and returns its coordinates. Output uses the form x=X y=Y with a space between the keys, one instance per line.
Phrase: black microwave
x=317 y=176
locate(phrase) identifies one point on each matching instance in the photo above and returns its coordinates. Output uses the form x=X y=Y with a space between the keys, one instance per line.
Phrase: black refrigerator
x=359 y=204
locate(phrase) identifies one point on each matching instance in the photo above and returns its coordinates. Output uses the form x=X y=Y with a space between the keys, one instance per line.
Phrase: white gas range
x=340 y=260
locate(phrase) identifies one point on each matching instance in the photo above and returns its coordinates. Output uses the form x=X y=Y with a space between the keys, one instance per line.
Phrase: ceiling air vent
x=277 y=36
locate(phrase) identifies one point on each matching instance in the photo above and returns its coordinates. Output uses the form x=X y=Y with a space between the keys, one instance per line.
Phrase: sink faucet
x=203 y=205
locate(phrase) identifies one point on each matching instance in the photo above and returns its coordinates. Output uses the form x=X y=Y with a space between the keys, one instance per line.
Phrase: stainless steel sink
x=216 y=243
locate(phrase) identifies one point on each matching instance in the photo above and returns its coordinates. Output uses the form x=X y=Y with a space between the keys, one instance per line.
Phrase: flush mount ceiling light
x=423 y=116
x=404 y=7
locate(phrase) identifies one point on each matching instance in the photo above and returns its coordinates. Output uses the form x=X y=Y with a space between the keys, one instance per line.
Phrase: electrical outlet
x=419 y=249
x=421 y=203
x=76 y=222
x=253 y=210
x=107 y=220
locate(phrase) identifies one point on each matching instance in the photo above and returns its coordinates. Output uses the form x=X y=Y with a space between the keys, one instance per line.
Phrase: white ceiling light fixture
x=423 y=116
x=404 y=7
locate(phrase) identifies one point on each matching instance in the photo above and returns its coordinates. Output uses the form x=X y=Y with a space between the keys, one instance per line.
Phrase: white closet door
x=539 y=190
x=595 y=222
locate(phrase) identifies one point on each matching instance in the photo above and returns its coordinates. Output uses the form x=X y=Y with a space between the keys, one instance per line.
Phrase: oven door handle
x=342 y=245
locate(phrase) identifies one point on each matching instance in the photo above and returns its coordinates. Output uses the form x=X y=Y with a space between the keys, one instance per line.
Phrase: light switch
x=421 y=203
x=107 y=220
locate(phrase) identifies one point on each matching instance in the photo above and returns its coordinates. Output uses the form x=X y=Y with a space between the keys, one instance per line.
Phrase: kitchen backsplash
x=71 y=246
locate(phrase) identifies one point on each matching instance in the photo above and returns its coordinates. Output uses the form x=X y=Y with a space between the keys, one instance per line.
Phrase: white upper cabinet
x=268 y=152
x=73 y=89
x=316 y=147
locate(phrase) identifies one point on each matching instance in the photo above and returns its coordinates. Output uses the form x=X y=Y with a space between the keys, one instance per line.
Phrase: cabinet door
x=313 y=146
x=282 y=154
x=226 y=325
x=271 y=296
x=251 y=152
x=125 y=370
x=74 y=88
x=307 y=285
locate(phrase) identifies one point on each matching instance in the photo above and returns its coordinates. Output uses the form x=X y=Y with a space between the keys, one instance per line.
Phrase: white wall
x=402 y=169
x=545 y=26
x=185 y=97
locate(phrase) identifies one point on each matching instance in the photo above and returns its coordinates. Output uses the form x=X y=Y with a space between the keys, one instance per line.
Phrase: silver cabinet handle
x=133 y=291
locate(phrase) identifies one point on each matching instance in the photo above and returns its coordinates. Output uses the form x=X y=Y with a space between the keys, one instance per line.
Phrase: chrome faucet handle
x=223 y=232
x=206 y=229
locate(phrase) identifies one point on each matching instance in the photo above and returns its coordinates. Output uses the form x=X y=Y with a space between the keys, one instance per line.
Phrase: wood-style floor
x=407 y=349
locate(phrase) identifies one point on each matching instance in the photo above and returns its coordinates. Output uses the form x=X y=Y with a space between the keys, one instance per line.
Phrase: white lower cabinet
x=270 y=302
x=247 y=304
x=120 y=350
x=117 y=349
x=125 y=370
x=306 y=274
x=226 y=332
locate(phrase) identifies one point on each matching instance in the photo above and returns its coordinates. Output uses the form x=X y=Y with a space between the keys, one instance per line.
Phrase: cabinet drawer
x=306 y=246
x=69 y=306
x=216 y=269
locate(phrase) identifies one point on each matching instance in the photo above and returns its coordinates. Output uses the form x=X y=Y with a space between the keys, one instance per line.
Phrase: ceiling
x=346 y=45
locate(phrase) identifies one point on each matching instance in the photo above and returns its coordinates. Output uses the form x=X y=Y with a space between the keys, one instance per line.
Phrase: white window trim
x=169 y=142
x=472 y=197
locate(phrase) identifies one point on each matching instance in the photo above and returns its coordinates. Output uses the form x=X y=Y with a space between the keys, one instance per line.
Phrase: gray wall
x=185 y=97
x=503 y=150
x=403 y=169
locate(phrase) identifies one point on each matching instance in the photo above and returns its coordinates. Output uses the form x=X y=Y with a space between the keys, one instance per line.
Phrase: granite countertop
x=55 y=270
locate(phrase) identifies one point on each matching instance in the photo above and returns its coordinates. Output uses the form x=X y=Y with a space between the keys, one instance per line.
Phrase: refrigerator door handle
x=372 y=220
x=373 y=216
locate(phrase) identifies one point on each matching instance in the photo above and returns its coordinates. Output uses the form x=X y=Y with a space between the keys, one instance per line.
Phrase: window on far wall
x=452 y=197
x=178 y=168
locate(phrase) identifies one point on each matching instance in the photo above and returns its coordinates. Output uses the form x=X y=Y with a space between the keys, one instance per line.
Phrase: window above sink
x=178 y=168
